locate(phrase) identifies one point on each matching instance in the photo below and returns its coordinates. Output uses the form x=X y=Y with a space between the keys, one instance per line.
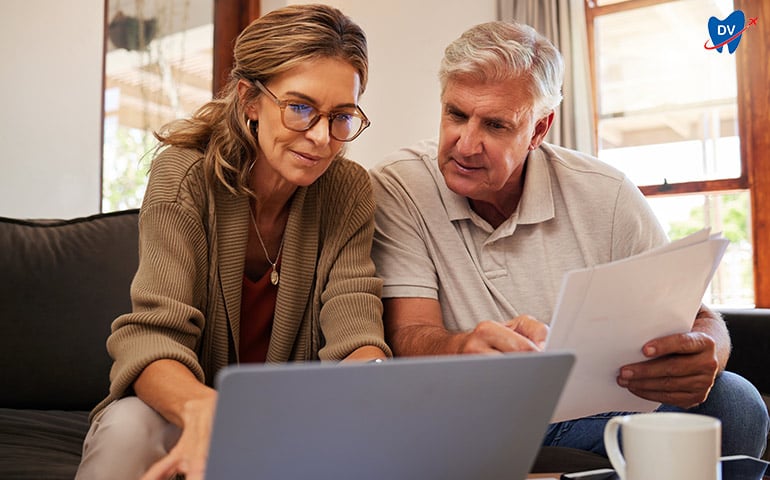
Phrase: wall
x=51 y=68
x=51 y=54
x=406 y=42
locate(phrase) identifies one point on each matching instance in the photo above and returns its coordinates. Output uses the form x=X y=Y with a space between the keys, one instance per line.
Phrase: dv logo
x=728 y=31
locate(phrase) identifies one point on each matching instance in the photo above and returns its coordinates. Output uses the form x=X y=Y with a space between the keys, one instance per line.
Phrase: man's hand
x=680 y=372
x=414 y=326
x=522 y=333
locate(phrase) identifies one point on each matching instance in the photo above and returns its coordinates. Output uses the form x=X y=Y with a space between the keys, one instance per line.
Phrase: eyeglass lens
x=344 y=125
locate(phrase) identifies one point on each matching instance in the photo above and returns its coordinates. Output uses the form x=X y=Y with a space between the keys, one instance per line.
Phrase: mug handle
x=613 y=448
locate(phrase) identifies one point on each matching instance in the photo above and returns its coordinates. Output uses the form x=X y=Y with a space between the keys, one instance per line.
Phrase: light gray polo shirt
x=575 y=211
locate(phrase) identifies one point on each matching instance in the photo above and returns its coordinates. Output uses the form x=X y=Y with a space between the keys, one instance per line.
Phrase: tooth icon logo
x=728 y=31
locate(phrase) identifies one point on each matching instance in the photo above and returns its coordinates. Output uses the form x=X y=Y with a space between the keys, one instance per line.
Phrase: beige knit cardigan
x=186 y=294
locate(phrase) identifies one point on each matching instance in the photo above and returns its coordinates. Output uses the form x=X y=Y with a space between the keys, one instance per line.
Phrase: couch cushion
x=41 y=445
x=62 y=283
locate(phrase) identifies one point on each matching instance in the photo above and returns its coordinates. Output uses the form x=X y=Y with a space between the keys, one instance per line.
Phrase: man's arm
x=414 y=326
x=682 y=368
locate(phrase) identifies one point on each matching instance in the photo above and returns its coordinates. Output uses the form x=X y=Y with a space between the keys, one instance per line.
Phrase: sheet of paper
x=605 y=314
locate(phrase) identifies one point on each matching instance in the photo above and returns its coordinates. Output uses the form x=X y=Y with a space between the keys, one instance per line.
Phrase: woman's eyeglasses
x=344 y=125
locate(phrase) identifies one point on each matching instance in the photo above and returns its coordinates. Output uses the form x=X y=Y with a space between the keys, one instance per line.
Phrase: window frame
x=230 y=18
x=753 y=129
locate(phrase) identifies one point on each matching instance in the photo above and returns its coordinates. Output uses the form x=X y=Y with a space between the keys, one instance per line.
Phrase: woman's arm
x=365 y=354
x=351 y=310
x=173 y=391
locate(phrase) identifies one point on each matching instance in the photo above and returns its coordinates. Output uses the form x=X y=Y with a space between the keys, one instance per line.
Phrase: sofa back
x=750 y=334
x=62 y=283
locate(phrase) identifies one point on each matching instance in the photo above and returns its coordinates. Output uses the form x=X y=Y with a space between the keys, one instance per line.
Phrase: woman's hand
x=173 y=391
x=189 y=455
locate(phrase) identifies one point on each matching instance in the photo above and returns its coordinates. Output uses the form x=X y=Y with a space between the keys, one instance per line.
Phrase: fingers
x=681 y=392
x=700 y=381
x=685 y=343
x=690 y=354
x=532 y=329
x=493 y=337
x=173 y=464
x=162 y=469
x=189 y=455
x=684 y=380
x=194 y=473
x=674 y=366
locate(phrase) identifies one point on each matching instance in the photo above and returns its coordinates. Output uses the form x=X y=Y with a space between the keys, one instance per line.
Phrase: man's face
x=485 y=135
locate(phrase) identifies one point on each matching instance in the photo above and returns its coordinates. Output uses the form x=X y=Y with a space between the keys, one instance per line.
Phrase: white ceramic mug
x=664 y=446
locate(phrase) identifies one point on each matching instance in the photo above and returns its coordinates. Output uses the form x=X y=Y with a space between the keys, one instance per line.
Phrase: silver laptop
x=444 y=418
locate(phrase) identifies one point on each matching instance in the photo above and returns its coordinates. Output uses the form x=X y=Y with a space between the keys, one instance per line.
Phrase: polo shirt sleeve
x=400 y=250
x=636 y=229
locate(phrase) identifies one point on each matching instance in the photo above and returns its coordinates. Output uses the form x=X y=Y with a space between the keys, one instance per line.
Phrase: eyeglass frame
x=330 y=116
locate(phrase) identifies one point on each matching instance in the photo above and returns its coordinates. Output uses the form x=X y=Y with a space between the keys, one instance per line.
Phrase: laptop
x=449 y=417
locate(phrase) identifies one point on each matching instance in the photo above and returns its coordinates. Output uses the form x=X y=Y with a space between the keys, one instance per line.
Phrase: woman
x=255 y=241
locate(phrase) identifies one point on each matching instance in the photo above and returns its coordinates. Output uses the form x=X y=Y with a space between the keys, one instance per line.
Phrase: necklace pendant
x=274 y=277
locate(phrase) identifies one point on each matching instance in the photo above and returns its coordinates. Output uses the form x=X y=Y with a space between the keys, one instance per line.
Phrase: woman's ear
x=541 y=129
x=249 y=103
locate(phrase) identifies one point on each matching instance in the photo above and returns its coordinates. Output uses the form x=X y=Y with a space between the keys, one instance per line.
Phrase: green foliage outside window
x=125 y=173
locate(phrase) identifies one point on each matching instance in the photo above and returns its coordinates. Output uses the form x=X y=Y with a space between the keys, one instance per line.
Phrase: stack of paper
x=605 y=314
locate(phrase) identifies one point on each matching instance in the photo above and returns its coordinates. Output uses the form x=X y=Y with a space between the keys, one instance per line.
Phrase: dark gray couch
x=62 y=283
x=750 y=335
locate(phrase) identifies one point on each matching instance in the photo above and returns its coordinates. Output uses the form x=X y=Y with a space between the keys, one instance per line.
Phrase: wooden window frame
x=753 y=128
x=230 y=18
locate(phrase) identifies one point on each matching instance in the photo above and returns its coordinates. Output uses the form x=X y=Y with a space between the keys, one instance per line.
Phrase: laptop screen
x=450 y=417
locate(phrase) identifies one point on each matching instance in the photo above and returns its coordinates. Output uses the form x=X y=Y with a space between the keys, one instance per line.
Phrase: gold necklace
x=274 y=277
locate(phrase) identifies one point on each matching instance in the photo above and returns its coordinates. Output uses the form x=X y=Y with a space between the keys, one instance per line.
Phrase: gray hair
x=499 y=51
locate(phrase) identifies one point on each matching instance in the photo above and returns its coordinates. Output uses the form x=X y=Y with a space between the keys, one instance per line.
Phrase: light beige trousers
x=124 y=441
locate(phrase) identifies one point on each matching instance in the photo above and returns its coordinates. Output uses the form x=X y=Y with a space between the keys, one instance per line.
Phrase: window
x=668 y=115
x=158 y=67
x=163 y=60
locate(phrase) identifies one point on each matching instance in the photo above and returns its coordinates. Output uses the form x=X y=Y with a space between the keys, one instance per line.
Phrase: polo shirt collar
x=536 y=203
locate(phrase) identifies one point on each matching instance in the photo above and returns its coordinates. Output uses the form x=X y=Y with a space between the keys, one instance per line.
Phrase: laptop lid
x=449 y=417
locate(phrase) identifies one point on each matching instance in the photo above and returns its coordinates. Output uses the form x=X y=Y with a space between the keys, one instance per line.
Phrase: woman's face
x=299 y=158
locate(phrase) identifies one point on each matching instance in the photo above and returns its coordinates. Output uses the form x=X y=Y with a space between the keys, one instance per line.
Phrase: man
x=475 y=233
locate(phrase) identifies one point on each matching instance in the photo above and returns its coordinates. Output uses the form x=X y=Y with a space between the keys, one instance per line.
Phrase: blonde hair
x=269 y=46
x=498 y=51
